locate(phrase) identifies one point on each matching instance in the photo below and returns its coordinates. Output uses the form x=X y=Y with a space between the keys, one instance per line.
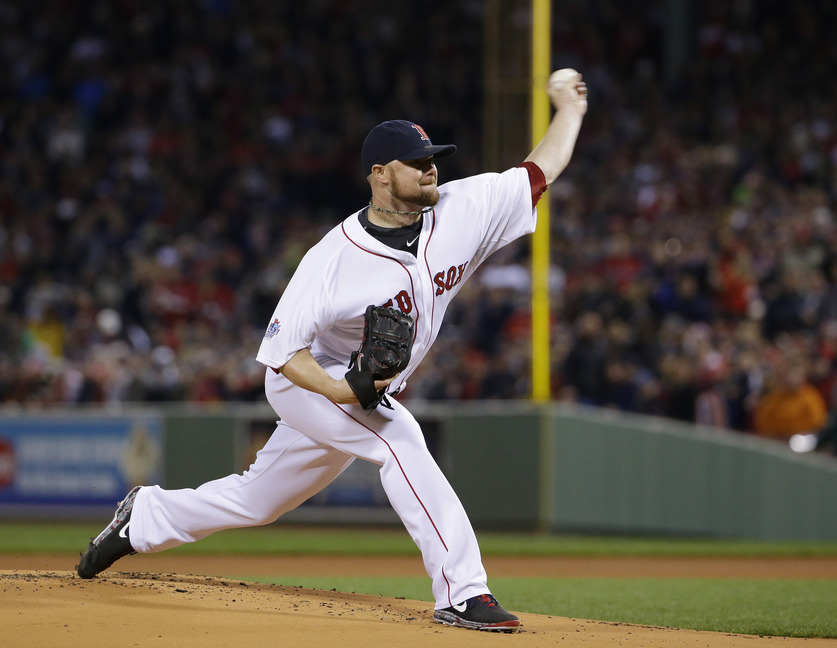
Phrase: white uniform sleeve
x=502 y=205
x=303 y=312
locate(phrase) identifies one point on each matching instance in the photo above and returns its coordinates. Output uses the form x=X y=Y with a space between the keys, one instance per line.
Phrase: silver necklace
x=399 y=213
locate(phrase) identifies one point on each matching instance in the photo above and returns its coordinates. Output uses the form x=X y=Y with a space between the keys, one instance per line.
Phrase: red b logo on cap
x=421 y=132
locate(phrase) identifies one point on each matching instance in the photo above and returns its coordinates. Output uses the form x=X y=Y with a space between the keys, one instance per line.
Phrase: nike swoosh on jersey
x=413 y=241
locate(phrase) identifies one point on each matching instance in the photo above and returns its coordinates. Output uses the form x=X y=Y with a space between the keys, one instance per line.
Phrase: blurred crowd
x=163 y=167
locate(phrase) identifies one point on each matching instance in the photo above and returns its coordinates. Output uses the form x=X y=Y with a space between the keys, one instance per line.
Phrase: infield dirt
x=44 y=604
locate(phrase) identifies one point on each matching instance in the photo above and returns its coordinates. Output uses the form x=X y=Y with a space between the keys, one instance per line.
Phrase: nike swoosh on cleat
x=123 y=532
x=461 y=607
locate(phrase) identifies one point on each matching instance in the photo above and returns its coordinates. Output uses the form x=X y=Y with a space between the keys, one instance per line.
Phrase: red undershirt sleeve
x=537 y=181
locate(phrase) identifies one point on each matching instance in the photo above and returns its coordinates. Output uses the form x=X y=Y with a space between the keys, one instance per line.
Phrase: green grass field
x=781 y=607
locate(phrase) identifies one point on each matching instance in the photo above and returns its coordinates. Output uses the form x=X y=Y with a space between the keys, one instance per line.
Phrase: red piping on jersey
x=430 y=272
x=384 y=256
x=409 y=483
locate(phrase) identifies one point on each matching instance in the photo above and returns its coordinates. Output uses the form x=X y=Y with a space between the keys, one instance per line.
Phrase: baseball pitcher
x=338 y=349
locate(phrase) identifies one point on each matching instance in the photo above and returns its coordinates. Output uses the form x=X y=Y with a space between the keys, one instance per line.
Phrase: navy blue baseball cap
x=398 y=139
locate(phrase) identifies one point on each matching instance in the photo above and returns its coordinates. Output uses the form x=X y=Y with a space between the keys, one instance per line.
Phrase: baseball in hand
x=561 y=77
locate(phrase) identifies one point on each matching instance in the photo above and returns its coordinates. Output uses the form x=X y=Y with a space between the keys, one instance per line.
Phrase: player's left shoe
x=481 y=612
x=112 y=543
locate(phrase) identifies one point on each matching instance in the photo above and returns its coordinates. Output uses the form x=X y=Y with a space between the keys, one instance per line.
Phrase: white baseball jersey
x=323 y=306
x=316 y=439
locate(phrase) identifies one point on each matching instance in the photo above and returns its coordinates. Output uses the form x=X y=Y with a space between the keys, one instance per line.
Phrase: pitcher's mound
x=58 y=609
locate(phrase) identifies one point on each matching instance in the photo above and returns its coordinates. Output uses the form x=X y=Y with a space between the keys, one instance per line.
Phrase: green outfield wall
x=587 y=470
x=515 y=466
x=559 y=468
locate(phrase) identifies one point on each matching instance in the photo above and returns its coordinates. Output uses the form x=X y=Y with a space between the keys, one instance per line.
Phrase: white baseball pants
x=313 y=443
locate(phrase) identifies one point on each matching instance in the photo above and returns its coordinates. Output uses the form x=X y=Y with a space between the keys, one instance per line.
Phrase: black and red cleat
x=481 y=612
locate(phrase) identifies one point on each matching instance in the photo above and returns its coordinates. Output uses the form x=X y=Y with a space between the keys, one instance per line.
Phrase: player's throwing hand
x=566 y=89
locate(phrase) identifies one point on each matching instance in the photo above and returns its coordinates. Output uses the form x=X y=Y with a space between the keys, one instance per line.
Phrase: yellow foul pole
x=541 y=110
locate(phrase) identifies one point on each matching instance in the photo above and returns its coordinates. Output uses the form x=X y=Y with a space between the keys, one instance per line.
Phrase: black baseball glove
x=384 y=352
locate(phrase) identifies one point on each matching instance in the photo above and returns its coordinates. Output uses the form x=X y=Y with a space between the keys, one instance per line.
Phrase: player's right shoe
x=112 y=543
x=481 y=612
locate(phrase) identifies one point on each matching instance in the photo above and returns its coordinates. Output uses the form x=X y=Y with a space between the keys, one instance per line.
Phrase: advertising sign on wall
x=83 y=461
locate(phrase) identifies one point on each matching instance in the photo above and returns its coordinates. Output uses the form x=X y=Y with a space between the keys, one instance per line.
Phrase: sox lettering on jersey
x=447 y=280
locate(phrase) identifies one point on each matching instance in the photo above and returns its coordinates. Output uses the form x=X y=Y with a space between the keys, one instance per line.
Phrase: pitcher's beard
x=432 y=198
x=422 y=195
x=427 y=200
